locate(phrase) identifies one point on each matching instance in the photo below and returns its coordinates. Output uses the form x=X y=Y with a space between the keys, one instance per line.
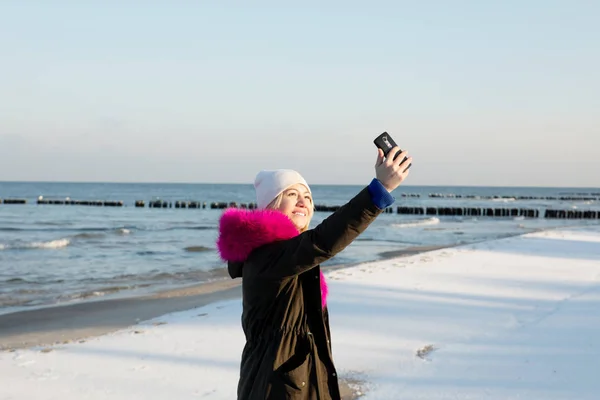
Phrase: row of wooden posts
x=438 y=211
x=588 y=197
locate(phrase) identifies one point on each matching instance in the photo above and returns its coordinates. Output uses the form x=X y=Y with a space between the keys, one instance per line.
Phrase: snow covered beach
x=505 y=319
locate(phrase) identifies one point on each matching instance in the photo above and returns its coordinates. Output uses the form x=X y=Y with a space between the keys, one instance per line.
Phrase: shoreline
x=75 y=322
x=66 y=323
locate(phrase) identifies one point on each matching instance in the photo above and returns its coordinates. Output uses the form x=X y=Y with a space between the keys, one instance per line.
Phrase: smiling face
x=296 y=202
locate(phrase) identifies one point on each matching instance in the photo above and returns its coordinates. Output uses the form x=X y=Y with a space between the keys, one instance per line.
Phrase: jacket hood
x=241 y=231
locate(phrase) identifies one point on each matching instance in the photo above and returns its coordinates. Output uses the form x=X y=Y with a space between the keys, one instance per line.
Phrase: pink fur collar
x=241 y=231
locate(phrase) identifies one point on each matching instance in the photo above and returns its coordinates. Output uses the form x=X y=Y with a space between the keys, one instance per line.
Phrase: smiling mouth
x=300 y=214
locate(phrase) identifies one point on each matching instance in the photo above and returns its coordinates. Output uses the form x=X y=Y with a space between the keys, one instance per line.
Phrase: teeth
x=302 y=214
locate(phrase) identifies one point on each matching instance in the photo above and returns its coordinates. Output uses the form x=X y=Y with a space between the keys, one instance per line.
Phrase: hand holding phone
x=386 y=143
x=390 y=173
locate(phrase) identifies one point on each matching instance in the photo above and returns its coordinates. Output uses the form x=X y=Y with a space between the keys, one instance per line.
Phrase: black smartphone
x=386 y=143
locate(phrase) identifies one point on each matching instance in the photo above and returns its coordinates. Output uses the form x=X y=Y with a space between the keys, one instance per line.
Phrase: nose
x=301 y=202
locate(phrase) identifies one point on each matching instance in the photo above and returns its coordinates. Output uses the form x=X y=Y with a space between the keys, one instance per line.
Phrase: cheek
x=311 y=210
x=287 y=206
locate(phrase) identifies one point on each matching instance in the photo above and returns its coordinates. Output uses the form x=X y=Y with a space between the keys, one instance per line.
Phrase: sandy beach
x=511 y=318
x=67 y=323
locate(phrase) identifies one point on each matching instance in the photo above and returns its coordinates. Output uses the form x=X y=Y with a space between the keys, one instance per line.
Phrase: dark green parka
x=285 y=320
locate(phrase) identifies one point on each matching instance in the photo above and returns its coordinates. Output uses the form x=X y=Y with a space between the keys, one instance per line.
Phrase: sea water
x=59 y=254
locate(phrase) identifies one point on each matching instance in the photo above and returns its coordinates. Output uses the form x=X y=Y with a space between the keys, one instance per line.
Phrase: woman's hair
x=274 y=205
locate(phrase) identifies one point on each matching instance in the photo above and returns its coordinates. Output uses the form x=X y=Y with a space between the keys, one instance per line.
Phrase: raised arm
x=313 y=247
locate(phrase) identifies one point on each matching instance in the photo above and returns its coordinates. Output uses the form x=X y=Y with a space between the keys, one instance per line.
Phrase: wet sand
x=79 y=321
x=410 y=251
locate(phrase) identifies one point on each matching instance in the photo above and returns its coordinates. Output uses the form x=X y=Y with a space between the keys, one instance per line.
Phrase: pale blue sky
x=479 y=92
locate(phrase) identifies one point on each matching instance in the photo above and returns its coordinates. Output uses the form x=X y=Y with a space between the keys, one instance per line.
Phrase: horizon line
x=313 y=184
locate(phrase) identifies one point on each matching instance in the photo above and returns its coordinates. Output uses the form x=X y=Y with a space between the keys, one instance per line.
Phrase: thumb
x=380 y=158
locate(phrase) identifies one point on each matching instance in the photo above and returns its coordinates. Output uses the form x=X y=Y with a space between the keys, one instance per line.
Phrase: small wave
x=84 y=229
x=16 y=280
x=195 y=228
x=89 y=235
x=101 y=234
x=99 y=292
x=52 y=244
x=152 y=253
x=197 y=249
x=54 y=229
x=6 y=301
x=183 y=276
x=30 y=291
x=53 y=223
x=30 y=282
x=415 y=223
x=504 y=200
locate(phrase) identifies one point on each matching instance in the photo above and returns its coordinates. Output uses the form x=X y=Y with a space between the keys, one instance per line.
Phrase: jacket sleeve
x=294 y=256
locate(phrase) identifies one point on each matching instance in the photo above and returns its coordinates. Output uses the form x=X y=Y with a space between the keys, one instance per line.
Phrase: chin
x=301 y=225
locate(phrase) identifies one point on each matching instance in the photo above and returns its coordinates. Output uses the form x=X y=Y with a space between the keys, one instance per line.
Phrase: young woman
x=285 y=318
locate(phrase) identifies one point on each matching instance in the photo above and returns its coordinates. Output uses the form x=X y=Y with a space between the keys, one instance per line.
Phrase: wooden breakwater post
x=233 y=204
x=497 y=212
x=326 y=208
x=410 y=210
x=159 y=204
x=113 y=204
x=67 y=201
x=166 y=204
x=14 y=201
x=218 y=205
x=572 y=214
x=583 y=197
x=189 y=204
x=469 y=211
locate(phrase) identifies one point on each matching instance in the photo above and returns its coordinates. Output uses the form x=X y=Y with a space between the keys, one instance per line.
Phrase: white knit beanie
x=270 y=183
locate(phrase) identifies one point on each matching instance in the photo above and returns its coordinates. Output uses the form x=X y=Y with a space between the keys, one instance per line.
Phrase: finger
x=405 y=165
x=407 y=161
x=401 y=157
x=380 y=157
x=391 y=156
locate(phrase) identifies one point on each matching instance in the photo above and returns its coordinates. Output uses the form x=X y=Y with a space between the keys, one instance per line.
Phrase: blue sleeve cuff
x=379 y=195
